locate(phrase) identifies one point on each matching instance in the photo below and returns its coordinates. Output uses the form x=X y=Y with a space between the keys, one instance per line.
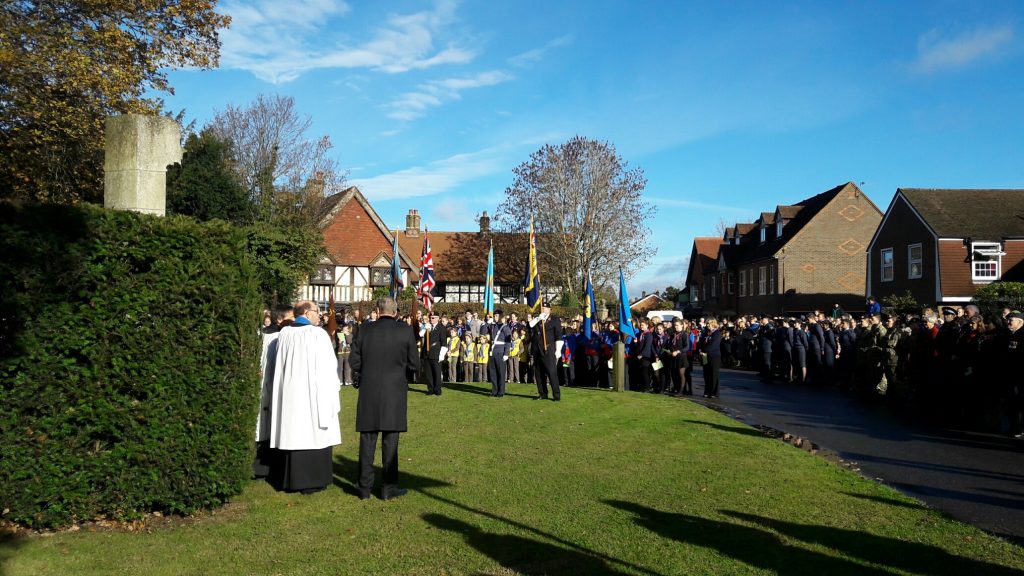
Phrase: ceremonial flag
x=425 y=290
x=332 y=321
x=531 y=282
x=396 y=271
x=489 y=288
x=625 y=321
x=589 y=309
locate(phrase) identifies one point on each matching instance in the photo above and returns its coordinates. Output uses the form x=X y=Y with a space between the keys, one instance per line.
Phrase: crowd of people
x=954 y=364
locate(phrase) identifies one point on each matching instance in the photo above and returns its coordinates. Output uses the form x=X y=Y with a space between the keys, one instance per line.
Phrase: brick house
x=800 y=257
x=942 y=244
x=701 y=283
x=359 y=252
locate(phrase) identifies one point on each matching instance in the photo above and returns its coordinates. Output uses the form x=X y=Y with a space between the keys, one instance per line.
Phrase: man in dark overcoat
x=545 y=345
x=383 y=358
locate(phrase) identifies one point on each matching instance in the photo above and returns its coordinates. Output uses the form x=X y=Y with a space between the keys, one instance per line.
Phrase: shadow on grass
x=879 y=550
x=745 y=430
x=9 y=543
x=567 y=546
x=752 y=546
x=478 y=390
x=887 y=501
x=346 y=475
x=522 y=555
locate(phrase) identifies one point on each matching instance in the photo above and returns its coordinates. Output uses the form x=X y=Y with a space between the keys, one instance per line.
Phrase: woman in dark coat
x=784 y=348
x=828 y=354
x=712 y=346
x=799 y=337
x=679 y=350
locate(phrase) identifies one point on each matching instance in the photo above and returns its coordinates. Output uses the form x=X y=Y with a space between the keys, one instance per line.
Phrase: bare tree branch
x=588 y=211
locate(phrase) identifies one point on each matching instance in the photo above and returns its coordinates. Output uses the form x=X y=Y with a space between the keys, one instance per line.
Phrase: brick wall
x=902 y=229
x=352 y=238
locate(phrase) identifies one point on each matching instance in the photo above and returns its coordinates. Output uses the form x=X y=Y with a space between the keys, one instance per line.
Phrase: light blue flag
x=489 y=287
x=396 y=271
x=589 y=309
x=625 y=320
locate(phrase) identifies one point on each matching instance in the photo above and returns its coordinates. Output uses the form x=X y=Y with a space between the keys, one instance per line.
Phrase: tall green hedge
x=128 y=363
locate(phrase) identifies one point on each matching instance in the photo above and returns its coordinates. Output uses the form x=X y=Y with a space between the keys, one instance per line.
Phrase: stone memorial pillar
x=619 y=367
x=138 y=150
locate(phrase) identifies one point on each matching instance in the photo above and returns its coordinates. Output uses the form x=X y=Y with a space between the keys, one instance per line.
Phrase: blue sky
x=729 y=107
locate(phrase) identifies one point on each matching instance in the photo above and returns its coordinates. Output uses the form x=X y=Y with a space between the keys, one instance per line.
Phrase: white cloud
x=935 y=53
x=528 y=58
x=412 y=105
x=437 y=177
x=453 y=213
x=280 y=41
x=676 y=203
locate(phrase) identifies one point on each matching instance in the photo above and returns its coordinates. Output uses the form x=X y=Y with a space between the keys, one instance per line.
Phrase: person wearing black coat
x=766 y=334
x=679 y=350
x=784 y=349
x=847 y=354
x=545 y=346
x=712 y=346
x=815 y=349
x=828 y=353
x=799 y=341
x=434 y=337
x=383 y=358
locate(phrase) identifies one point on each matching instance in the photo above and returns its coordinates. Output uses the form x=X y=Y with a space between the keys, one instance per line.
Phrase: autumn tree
x=588 y=212
x=65 y=66
x=286 y=171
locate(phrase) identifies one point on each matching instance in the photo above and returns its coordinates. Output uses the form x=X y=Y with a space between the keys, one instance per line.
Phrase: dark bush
x=128 y=363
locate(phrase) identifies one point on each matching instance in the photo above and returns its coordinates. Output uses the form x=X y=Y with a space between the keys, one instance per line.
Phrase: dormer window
x=986 y=261
x=778 y=228
x=762 y=234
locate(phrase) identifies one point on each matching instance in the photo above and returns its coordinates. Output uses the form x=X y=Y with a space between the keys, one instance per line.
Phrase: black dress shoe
x=396 y=493
x=556 y=399
x=364 y=496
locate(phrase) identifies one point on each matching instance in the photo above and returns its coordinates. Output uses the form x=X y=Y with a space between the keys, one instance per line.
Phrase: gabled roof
x=965 y=213
x=806 y=211
x=745 y=227
x=703 y=255
x=357 y=242
x=767 y=218
x=788 y=212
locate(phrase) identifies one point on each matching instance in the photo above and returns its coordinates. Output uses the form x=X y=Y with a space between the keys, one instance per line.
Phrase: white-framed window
x=915 y=261
x=750 y=277
x=986 y=261
x=778 y=228
x=743 y=283
x=713 y=291
x=695 y=293
x=886 y=272
x=762 y=234
x=729 y=282
x=761 y=280
x=771 y=279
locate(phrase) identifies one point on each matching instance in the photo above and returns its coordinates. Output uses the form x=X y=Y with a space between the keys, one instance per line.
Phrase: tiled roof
x=462 y=256
x=964 y=213
x=354 y=234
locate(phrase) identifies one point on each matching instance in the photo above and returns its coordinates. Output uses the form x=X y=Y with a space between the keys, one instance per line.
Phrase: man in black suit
x=383 y=358
x=501 y=342
x=434 y=337
x=545 y=345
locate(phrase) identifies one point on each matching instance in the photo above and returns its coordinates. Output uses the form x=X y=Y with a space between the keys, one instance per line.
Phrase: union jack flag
x=426 y=287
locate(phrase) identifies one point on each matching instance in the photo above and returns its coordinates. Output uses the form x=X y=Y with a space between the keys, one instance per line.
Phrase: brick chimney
x=412 y=223
x=485 y=222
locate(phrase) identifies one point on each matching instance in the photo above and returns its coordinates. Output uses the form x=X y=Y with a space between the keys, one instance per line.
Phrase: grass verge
x=600 y=483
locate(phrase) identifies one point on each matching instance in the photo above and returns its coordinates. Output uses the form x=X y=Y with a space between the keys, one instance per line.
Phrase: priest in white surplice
x=304 y=412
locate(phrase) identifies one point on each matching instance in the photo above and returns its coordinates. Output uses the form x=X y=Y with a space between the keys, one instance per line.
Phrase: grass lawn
x=600 y=483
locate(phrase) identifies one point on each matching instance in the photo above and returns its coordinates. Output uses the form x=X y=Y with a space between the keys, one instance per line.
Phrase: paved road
x=977 y=478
